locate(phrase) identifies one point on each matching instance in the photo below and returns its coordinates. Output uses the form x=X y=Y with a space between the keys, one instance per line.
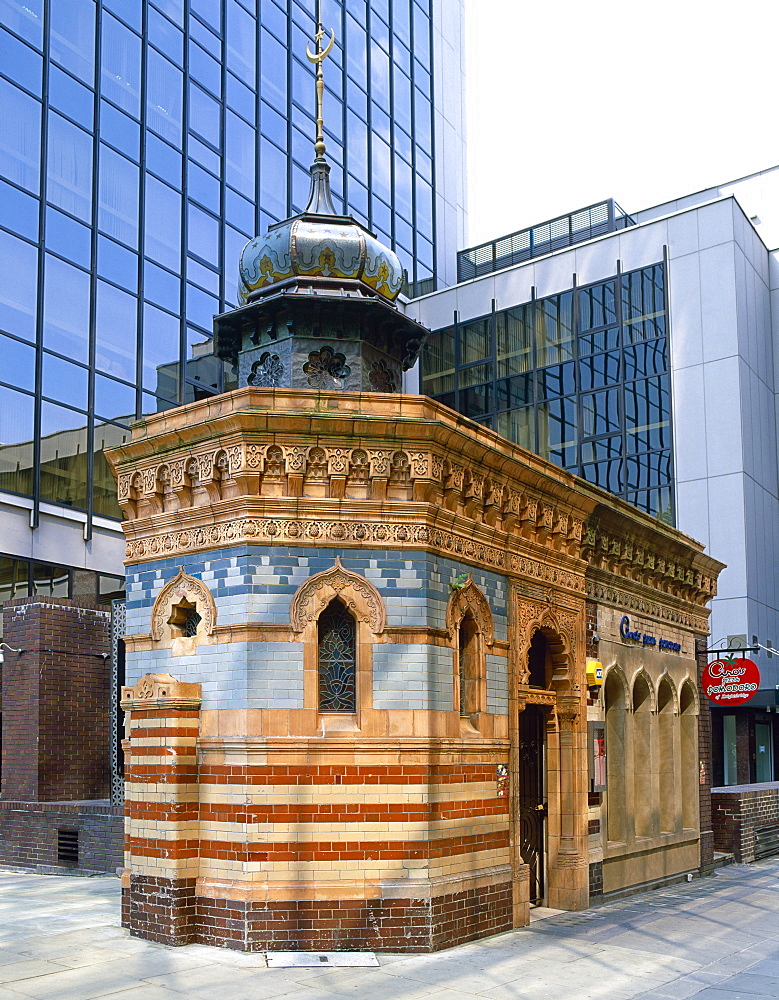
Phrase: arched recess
x=362 y=601
x=667 y=756
x=688 y=756
x=471 y=629
x=559 y=633
x=183 y=614
x=643 y=783
x=616 y=697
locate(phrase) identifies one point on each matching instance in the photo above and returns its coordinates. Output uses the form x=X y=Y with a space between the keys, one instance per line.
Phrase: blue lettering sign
x=645 y=639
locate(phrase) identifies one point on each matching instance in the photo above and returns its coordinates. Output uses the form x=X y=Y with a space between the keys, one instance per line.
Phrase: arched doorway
x=532 y=772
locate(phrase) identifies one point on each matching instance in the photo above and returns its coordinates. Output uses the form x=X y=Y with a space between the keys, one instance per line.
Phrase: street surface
x=713 y=939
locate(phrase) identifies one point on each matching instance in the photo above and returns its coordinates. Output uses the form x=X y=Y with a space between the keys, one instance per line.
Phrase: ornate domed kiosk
x=358 y=635
x=318 y=293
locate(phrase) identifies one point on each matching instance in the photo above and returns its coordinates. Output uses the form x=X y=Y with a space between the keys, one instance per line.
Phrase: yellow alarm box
x=594 y=673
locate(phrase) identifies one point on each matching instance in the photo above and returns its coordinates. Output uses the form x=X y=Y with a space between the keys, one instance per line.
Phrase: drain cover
x=322 y=959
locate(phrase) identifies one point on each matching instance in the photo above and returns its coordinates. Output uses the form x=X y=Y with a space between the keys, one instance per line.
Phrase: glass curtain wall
x=144 y=143
x=25 y=578
x=580 y=378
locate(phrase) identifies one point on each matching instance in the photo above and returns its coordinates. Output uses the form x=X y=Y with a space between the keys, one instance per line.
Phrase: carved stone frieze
x=659 y=610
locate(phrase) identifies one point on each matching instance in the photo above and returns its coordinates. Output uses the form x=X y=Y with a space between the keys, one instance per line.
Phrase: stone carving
x=274 y=462
x=628 y=601
x=381 y=378
x=419 y=463
x=296 y=459
x=400 y=472
x=268 y=372
x=468 y=598
x=254 y=456
x=357 y=593
x=205 y=467
x=163 y=690
x=326 y=369
x=528 y=618
x=337 y=461
x=358 y=483
x=380 y=463
x=182 y=590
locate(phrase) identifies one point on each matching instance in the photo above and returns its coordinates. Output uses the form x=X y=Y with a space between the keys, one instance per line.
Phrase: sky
x=570 y=103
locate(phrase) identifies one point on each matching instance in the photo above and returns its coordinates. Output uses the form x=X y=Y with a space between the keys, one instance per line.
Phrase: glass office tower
x=143 y=143
x=581 y=378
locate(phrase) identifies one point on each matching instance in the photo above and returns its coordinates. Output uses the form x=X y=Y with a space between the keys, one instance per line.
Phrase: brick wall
x=56 y=704
x=28 y=834
x=737 y=810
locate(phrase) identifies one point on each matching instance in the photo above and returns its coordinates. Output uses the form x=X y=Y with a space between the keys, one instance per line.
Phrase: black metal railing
x=564 y=231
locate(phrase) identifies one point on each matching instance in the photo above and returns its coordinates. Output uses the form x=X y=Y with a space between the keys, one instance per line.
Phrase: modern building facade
x=638 y=352
x=145 y=143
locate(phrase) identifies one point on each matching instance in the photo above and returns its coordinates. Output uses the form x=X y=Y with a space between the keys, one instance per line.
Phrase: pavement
x=714 y=939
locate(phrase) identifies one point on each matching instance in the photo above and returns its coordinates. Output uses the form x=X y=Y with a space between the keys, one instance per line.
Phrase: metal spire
x=320 y=200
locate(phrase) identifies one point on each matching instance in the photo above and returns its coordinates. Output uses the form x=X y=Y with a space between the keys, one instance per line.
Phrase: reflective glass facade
x=143 y=144
x=25 y=578
x=580 y=378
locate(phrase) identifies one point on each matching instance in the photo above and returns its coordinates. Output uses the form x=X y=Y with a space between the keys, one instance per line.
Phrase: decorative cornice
x=642 y=600
x=353 y=471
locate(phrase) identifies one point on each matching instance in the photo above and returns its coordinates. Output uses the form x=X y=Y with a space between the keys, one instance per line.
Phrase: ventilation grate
x=766 y=841
x=67 y=847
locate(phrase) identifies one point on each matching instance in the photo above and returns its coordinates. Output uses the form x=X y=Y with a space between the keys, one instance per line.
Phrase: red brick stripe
x=321 y=851
x=344 y=775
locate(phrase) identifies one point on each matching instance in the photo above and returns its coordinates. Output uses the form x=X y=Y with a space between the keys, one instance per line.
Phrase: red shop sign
x=730 y=681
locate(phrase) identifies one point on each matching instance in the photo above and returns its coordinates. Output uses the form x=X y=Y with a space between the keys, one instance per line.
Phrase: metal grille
x=67 y=847
x=766 y=841
x=337 y=659
x=583 y=224
x=118 y=622
x=190 y=623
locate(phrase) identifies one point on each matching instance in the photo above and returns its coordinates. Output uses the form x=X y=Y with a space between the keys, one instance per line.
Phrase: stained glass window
x=337 y=659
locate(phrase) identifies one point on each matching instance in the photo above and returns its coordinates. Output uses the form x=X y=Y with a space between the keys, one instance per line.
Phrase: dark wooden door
x=532 y=807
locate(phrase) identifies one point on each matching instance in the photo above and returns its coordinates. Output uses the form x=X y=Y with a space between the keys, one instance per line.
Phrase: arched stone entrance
x=549 y=767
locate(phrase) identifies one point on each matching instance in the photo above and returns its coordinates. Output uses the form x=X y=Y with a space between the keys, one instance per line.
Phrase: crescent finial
x=318 y=57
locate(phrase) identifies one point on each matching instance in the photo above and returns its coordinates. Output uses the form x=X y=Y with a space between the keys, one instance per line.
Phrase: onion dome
x=319 y=245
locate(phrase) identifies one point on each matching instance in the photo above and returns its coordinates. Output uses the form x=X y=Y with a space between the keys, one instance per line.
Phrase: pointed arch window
x=337 y=659
x=469 y=663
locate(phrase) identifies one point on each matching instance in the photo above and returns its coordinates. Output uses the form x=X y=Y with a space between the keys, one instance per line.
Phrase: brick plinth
x=56 y=696
x=170 y=912
x=160 y=909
